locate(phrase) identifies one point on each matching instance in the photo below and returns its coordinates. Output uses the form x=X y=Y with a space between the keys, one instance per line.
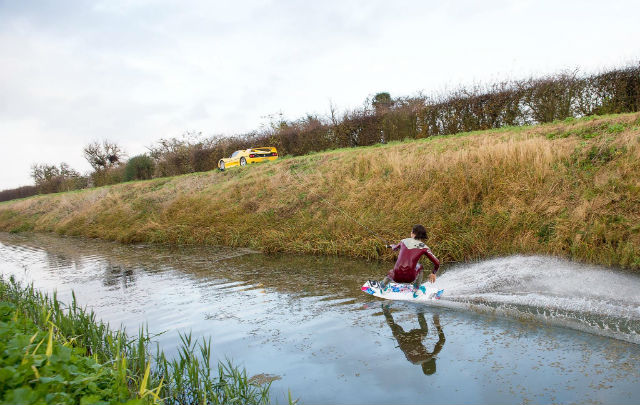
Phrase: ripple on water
x=304 y=319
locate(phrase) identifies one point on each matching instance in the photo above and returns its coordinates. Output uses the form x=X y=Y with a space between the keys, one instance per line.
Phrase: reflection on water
x=412 y=342
x=287 y=316
x=119 y=266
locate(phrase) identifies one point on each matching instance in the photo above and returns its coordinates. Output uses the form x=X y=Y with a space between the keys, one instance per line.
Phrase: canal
x=513 y=329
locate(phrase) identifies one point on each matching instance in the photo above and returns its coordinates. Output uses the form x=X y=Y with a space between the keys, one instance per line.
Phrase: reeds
x=190 y=378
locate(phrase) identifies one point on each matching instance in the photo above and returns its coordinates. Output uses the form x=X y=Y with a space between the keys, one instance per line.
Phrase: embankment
x=569 y=189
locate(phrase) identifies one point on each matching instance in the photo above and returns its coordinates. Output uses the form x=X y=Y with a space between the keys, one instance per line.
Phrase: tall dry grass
x=571 y=188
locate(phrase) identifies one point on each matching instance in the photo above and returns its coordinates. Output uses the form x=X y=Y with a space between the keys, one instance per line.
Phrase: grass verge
x=569 y=188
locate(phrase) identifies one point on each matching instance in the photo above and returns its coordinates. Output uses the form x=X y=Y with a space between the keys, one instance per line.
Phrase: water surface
x=516 y=329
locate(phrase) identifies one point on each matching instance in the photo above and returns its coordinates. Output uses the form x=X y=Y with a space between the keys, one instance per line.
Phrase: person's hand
x=432 y=278
x=388 y=246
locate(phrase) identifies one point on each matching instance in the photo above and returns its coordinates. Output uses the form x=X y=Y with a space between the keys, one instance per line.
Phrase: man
x=407 y=269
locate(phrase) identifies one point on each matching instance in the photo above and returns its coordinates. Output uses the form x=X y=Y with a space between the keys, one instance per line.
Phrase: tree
x=382 y=102
x=103 y=155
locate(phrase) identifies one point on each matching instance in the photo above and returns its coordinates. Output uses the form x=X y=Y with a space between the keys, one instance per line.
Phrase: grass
x=547 y=189
x=61 y=354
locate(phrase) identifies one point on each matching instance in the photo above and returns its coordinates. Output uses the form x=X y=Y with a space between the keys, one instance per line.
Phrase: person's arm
x=434 y=260
x=436 y=265
x=394 y=247
x=441 y=338
x=423 y=322
x=395 y=328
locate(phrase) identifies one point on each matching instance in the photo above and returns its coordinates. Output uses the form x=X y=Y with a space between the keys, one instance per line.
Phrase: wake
x=588 y=298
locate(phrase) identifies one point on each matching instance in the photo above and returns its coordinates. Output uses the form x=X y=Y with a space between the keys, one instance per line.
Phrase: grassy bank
x=570 y=188
x=52 y=353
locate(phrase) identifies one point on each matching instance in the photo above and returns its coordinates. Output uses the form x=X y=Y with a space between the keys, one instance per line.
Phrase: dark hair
x=429 y=367
x=420 y=232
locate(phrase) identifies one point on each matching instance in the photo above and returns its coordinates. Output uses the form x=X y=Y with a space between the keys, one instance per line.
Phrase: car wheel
x=243 y=161
x=221 y=166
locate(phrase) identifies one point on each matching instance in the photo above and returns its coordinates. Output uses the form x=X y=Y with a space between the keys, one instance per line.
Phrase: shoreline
x=567 y=189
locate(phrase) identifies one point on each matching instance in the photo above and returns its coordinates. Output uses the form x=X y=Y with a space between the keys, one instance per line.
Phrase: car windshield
x=236 y=153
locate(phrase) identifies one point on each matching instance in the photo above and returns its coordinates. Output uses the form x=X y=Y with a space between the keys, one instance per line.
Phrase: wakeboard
x=402 y=292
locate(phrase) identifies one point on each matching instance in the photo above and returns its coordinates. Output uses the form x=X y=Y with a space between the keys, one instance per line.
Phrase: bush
x=383 y=119
x=55 y=179
x=111 y=175
x=20 y=192
x=139 y=168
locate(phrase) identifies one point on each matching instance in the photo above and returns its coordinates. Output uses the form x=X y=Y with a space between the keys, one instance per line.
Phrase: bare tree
x=43 y=173
x=103 y=155
x=52 y=178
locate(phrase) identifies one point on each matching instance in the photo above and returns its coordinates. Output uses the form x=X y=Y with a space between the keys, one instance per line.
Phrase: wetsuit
x=407 y=268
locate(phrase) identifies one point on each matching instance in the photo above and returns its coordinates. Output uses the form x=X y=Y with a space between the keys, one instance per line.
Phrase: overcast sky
x=136 y=71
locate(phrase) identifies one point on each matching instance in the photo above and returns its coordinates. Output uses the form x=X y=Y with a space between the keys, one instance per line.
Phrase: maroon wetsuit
x=407 y=268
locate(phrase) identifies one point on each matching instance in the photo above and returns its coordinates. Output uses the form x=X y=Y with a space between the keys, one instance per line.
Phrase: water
x=588 y=298
x=516 y=329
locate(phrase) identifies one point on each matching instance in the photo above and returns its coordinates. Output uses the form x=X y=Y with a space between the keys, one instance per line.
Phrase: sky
x=75 y=72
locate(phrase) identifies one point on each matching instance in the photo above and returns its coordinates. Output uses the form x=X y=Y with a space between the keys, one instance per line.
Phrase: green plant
x=62 y=354
x=546 y=232
x=588 y=135
x=42 y=366
x=616 y=128
x=139 y=167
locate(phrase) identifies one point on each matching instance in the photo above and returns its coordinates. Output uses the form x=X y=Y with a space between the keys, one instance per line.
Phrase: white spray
x=589 y=298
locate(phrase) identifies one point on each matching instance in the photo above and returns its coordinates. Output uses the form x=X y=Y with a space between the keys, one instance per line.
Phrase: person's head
x=429 y=366
x=419 y=232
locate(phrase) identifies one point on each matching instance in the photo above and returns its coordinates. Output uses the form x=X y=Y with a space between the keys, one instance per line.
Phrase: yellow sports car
x=253 y=155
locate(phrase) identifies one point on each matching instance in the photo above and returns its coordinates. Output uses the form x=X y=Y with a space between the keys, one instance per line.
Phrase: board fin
x=437 y=295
